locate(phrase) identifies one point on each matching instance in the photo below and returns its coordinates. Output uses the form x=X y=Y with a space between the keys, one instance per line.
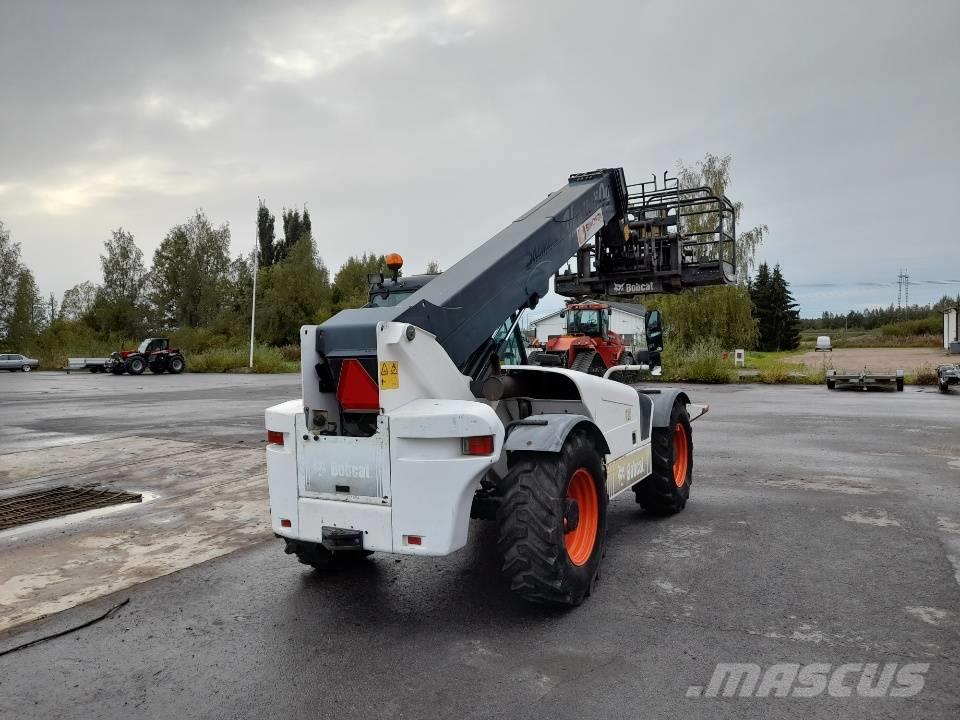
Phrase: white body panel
x=412 y=478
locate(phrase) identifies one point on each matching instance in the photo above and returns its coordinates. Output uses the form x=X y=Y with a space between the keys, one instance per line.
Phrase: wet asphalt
x=824 y=527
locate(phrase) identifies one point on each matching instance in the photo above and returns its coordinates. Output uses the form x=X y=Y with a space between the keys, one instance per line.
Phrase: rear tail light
x=478 y=445
x=356 y=390
x=274 y=437
x=413 y=539
x=285 y=523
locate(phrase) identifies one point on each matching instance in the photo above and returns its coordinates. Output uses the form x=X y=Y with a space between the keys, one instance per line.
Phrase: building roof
x=635 y=309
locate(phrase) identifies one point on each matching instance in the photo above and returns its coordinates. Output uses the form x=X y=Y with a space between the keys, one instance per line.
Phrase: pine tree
x=266 y=237
x=786 y=315
x=761 y=293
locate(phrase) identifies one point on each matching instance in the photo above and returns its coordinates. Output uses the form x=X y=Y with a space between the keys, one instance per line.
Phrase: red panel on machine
x=356 y=390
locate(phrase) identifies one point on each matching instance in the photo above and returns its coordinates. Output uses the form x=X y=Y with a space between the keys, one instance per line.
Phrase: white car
x=17 y=362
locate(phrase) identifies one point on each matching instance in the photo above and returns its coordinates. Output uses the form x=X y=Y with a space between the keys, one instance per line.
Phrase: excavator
x=412 y=420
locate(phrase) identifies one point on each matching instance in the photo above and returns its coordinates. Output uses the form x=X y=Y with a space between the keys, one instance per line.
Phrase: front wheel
x=26 y=368
x=136 y=366
x=553 y=523
x=899 y=384
x=666 y=490
x=177 y=365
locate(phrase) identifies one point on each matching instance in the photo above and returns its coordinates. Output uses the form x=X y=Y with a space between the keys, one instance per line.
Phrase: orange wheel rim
x=681 y=454
x=580 y=541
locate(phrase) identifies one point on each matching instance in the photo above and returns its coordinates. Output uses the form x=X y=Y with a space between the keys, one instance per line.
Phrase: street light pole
x=253 y=302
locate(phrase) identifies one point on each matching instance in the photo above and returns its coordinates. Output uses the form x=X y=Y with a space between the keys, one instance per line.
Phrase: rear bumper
x=426 y=484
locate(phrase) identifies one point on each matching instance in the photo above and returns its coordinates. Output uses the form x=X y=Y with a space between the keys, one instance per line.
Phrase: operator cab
x=151 y=345
x=589 y=320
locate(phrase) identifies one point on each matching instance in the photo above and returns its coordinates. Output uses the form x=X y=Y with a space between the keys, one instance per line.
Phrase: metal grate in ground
x=40 y=505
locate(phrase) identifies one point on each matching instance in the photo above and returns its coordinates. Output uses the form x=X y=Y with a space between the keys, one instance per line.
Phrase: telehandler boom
x=412 y=421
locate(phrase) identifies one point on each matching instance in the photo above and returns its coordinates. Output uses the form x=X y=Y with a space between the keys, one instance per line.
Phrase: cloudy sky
x=425 y=127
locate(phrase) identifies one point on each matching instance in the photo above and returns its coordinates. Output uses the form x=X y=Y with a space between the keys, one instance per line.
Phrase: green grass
x=266 y=359
x=888 y=336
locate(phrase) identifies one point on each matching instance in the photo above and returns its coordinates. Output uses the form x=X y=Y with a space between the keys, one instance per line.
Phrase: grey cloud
x=425 y=127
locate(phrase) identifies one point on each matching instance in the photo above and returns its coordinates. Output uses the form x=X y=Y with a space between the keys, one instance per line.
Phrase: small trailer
x=864 y=380
x=94 y=365
x=947 y=375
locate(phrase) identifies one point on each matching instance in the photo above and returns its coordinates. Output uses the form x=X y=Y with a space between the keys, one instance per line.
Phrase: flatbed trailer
x=94 y=365
x=864 y=380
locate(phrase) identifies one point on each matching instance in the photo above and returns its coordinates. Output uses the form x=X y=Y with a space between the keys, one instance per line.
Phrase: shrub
x=198 y=340
x=905 y=328
x=702 y=363
x=290 y=353
x=925 y=375
x=266 y=359
x=776 y=374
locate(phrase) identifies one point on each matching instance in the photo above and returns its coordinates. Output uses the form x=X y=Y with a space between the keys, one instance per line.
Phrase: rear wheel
x=666 y=490
x=944 y=387
x=553 y=523
x=136 y=366
x=899 y=384
x=831 y=385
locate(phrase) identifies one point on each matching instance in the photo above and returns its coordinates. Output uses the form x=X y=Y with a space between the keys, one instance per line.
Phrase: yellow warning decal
x=390 y=375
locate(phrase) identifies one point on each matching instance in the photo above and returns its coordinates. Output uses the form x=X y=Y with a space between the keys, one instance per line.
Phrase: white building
x=951 y=327
x=627 y=320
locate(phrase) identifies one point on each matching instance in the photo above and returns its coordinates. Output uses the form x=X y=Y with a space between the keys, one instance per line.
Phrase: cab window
x=510 y=352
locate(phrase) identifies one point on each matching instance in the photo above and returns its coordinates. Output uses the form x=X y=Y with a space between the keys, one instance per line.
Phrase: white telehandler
x=412 y=421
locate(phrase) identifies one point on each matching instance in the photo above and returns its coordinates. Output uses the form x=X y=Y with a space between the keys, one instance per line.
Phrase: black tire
x=26 y=368
x=117 y=369
x=176 y=365
x=536 y=510
x=136 y=366
x=666 y=490
x=944 y=387
x=627 y=359
x=899 y=384
x=831 y=385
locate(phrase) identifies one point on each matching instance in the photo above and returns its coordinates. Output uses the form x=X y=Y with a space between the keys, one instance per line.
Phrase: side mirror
x=609 y=311
x=654 y=331
x=563 y=314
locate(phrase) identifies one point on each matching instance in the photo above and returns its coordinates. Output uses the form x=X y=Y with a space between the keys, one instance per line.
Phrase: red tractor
x=153 y=353
x=590 y=346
